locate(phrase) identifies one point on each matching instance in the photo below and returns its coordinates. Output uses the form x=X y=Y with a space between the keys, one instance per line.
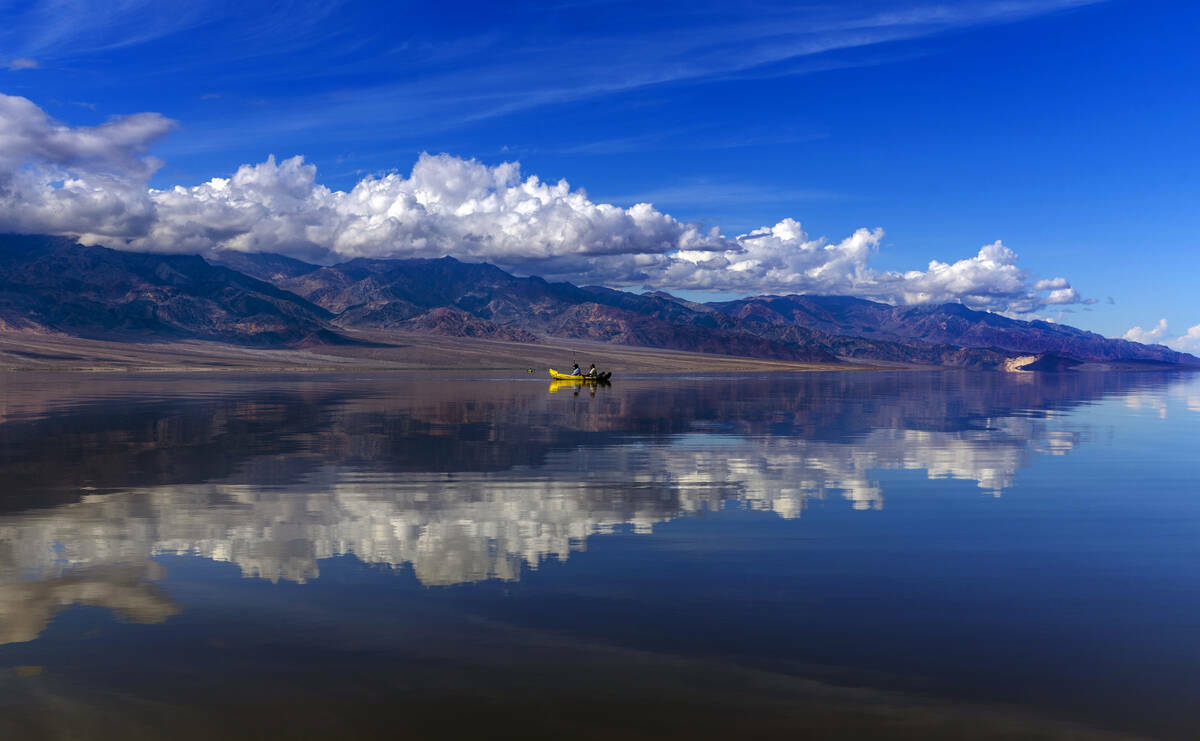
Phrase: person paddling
x=575 y=370
x=592 y=371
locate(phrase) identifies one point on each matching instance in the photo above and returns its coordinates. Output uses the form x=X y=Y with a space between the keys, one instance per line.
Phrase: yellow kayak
x=568 y=377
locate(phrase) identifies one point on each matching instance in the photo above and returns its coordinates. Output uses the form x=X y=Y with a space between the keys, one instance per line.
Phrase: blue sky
x=1063 y=128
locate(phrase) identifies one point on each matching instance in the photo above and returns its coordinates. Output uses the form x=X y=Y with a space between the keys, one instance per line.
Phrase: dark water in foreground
x=906 y=555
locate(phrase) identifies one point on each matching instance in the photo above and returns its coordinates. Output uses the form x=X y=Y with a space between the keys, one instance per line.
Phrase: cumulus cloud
x=118 y=147
x=86 y=180
x=1147 y=336
x=785 y=259
x=1188 y=342
x=92 y=182
x=445 y=206
x=990 y=279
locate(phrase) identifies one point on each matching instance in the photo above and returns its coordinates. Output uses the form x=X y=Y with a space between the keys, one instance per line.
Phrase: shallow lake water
x=891 y=554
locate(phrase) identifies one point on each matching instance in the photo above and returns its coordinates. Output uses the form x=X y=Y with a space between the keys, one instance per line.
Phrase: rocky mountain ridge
x=388 y=293
x=950 y=324
x=52 y=284
x=416 y=293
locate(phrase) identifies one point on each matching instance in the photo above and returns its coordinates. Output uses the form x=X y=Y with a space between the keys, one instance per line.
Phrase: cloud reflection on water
x=462 y=485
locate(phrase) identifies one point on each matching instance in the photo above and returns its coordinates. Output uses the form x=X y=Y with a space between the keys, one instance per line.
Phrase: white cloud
x=91 y=181
x=21 y=63
x=29 y=137
x=785 y=259
x=1063 y=296
x=81 y=180
x=1150 y=336
x=988 y=279
x=1052 y=284
x=445 y=206
x=1188 y=342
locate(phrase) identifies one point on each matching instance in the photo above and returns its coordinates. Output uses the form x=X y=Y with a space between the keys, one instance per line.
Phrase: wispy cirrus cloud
x=708 y=193
x=62 y=29
x=424 y=76
x=551 y=65
x=73 y=33
x=686 y=139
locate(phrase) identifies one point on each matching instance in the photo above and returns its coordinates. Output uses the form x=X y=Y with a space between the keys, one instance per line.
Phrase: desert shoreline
x=377 y=352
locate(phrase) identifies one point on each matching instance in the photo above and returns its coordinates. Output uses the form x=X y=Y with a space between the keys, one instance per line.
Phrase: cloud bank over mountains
x=1189 y=341
x=93 y=182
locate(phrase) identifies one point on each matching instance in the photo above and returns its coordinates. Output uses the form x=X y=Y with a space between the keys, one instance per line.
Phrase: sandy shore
x=27 y=351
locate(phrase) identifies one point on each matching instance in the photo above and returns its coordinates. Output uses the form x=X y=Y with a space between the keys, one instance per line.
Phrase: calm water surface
x=906 y=555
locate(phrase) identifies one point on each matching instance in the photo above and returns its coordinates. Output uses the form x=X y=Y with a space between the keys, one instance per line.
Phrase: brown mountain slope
x=952 y=325
x=403 y=294
x=54 y=284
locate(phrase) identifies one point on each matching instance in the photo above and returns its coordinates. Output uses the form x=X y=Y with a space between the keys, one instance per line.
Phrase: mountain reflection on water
x=891 y=554
x=462 y=481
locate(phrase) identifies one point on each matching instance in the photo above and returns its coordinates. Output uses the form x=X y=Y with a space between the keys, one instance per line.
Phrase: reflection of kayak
x=568 y=377
x=575 y=386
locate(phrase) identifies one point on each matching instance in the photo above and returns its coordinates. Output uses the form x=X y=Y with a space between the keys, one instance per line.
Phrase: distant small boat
x=599 y=377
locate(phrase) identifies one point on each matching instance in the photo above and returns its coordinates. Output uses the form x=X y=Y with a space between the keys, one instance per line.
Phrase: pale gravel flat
x=22 y=351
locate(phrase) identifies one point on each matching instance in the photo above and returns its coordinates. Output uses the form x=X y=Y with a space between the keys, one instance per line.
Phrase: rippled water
x=895 y=554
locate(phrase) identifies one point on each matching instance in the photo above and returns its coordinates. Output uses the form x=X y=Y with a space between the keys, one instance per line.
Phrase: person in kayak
x=575 y=370
x=592 y=371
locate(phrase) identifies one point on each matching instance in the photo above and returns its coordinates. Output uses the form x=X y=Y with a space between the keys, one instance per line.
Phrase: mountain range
x=53 y=284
